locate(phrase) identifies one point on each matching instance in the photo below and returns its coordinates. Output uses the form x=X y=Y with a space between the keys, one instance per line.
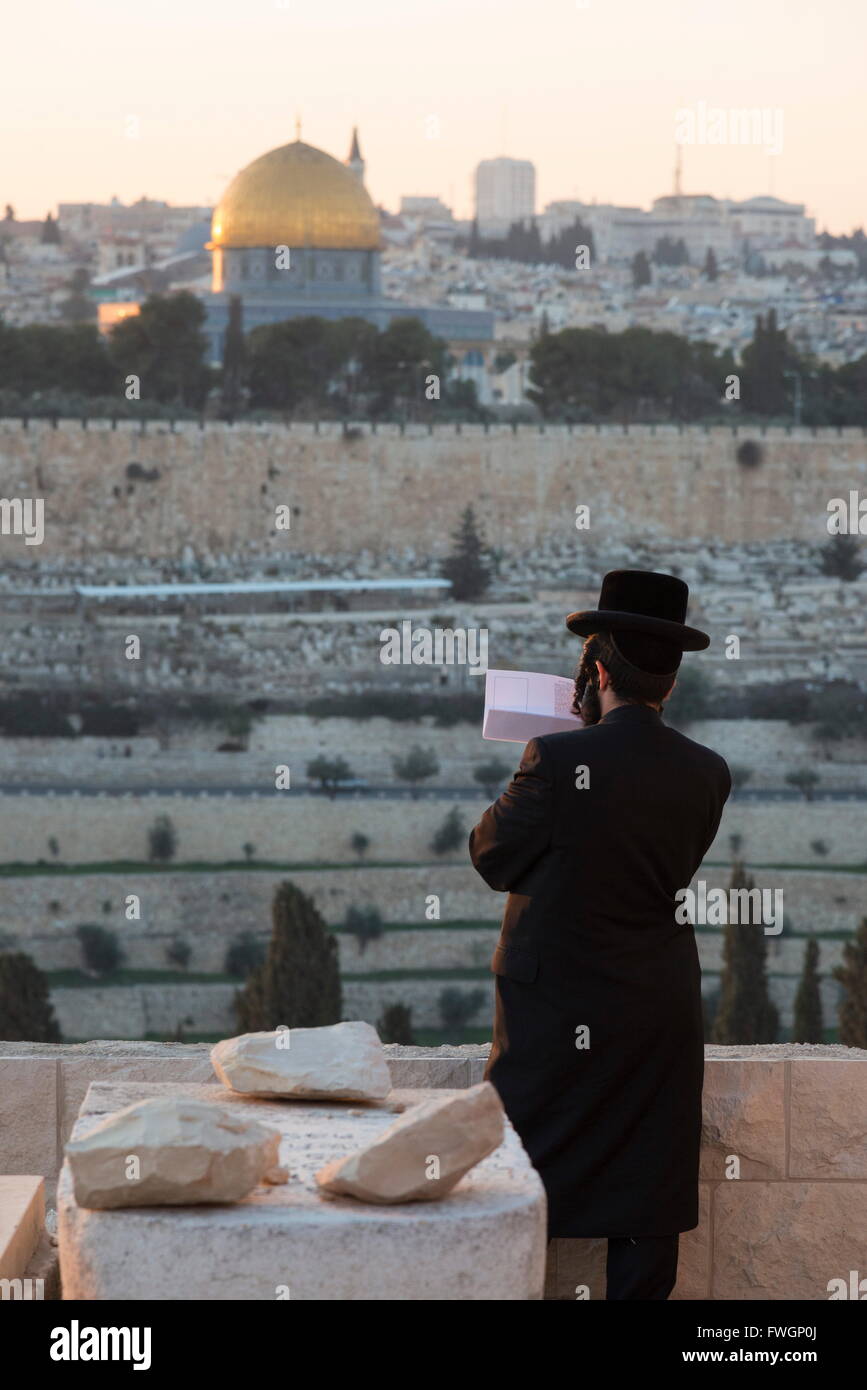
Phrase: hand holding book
x=520 y=705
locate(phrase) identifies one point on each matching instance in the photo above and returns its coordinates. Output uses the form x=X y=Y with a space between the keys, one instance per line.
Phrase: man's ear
x=670 y=691
x=604 y=679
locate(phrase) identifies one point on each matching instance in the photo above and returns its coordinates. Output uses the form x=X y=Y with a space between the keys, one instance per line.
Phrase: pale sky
x=587 y=89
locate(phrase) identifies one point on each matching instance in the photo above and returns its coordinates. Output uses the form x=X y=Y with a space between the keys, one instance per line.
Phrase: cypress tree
x=233 y=357
x=852 y=975
x=298 y=985
x=50 y=235
x=808 y=1003
x=641 y=272
x=745 y=1013
x=26 y=1014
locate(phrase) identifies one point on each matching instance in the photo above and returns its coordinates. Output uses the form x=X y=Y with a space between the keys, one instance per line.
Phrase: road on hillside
x=386 y=791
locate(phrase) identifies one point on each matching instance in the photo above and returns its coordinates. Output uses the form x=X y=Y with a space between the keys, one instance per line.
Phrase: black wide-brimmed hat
x=646 y=604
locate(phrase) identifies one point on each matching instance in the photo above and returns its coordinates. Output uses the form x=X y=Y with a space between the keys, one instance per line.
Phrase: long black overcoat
x=598 y=1051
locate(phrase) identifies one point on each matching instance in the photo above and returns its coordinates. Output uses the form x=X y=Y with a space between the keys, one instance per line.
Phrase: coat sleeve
x=516 y=830
x=724 y=787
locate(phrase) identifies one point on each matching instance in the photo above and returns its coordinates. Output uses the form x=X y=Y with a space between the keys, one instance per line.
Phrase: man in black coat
x=598 y=1048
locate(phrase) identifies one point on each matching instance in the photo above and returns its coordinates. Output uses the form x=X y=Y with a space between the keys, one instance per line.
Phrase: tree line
x=159 y=358
x=156 y=362
x=296 y=982
x=523 y=242
x=588 y=374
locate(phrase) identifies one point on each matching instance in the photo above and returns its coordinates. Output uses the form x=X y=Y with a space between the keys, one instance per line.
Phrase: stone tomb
x=485 y=1241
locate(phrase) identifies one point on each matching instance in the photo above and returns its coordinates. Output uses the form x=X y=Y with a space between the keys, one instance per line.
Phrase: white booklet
x=520 y=705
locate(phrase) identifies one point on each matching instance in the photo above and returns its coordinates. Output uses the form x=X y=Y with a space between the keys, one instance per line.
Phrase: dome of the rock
x=296 y=196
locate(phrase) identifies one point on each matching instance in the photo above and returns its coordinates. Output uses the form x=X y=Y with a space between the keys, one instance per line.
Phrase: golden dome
x=296 y=196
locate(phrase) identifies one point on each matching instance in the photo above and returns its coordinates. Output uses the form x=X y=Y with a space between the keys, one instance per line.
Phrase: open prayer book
x=520 y=705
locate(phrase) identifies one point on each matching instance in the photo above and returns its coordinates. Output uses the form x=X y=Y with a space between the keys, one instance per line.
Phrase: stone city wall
x=214 y=490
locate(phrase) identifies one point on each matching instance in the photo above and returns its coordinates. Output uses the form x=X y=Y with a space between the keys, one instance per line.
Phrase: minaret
x=355 y=162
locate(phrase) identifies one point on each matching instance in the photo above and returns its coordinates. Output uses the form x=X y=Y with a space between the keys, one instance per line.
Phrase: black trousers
x=641 y=1268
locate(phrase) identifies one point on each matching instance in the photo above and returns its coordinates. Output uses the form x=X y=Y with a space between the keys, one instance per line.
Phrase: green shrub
x=418 y=765
x=329 y=773
x=395 y=1025
x=457 y=1006
x=451 y=834
x=179 y=952
x=490 y=775
x=99 y=949
x=360 y=844
x=365 y=924
x=162 y=841
x=244 y=955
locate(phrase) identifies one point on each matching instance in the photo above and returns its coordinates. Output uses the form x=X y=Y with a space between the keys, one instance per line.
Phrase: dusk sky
x=589 y=91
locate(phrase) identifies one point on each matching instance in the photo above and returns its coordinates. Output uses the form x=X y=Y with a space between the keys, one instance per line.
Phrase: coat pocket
x=516 y=963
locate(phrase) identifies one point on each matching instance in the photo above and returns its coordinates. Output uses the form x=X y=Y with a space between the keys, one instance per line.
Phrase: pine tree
x=841 y=557
x=711 y=269
x=26 y=1014
x=467 y=566
x=808 y=1003
x=745 y=1013
x=298 y=986
x=852 y=975
x=451 y=835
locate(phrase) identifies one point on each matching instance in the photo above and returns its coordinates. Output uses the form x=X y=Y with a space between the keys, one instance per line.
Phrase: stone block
x=415 y=1073
x=743 y=1116
x=22 y=1221
x=28 y=1116
x=786 y=1240
x=828 y=1119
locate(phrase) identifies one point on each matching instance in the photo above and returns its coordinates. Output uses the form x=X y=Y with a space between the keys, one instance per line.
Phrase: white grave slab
x=484 y=1242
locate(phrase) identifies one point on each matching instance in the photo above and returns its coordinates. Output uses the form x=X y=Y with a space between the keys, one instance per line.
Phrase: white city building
x=505 y=193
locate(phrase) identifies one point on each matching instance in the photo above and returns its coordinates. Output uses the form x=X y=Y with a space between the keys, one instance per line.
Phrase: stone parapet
x=783 y=1165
